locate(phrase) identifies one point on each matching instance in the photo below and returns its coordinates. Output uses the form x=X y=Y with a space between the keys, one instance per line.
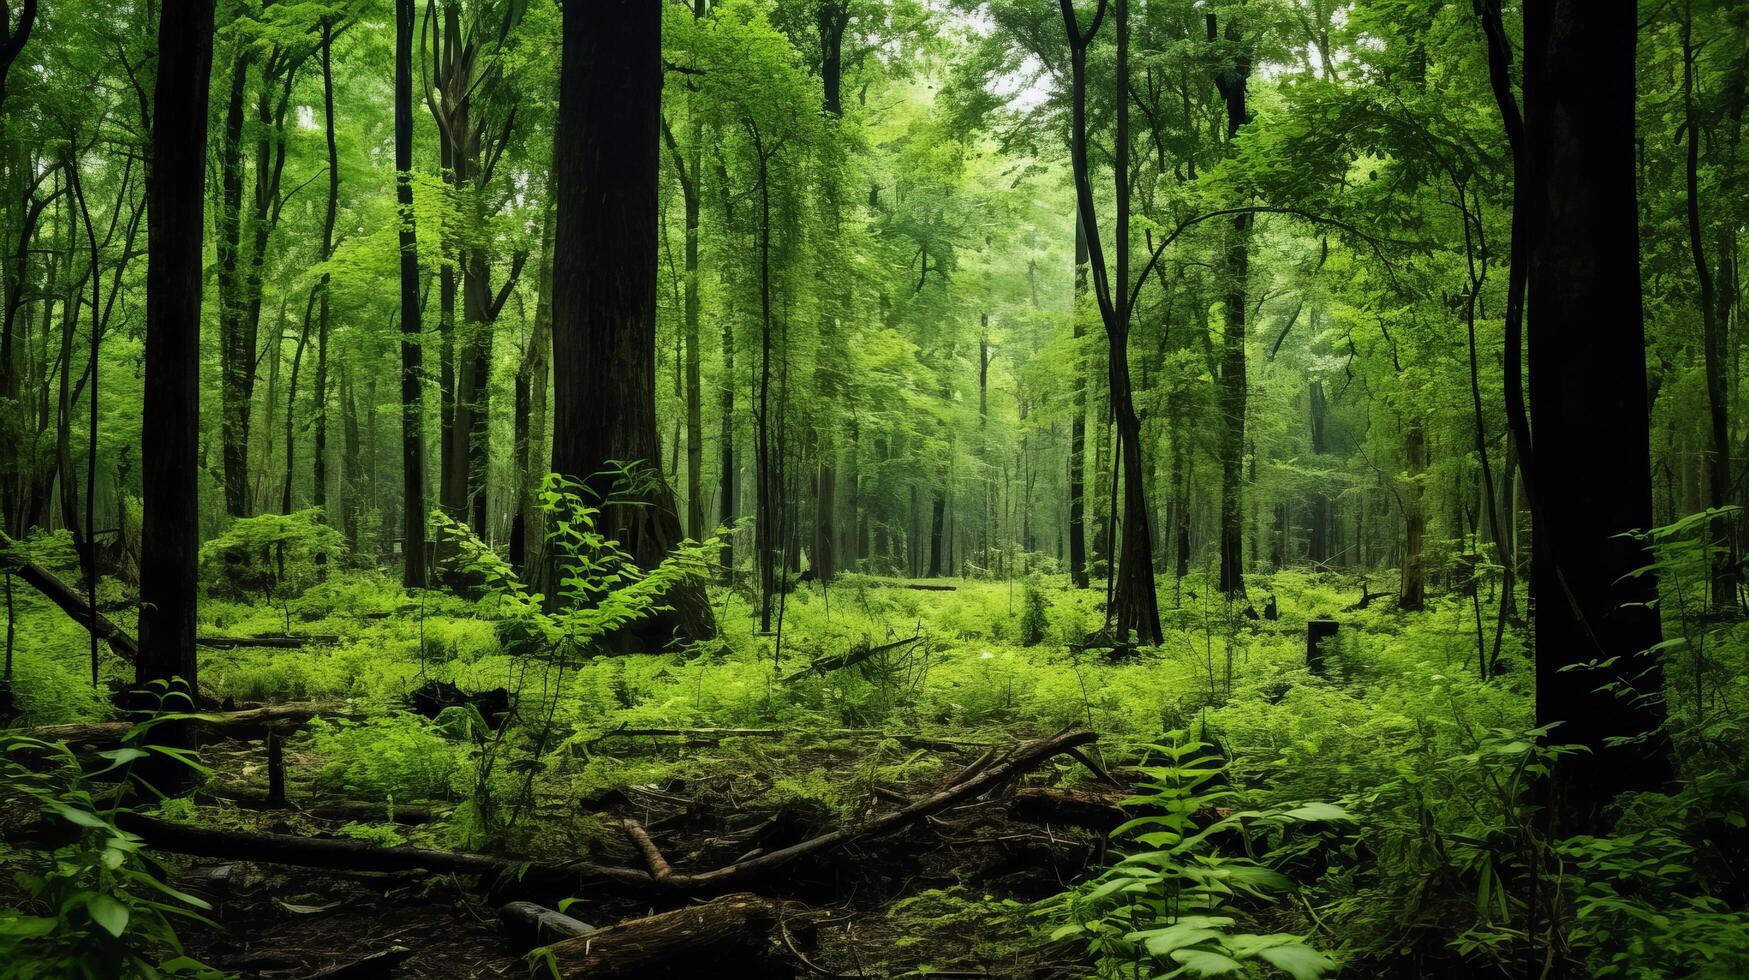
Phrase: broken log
x=855 y=656
x=1087 y=808
x=536 y=925
x=659 y=867
x=732 y=936
x=228 y=723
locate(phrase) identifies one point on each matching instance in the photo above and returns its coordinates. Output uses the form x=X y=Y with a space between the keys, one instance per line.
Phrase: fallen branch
x=124 y=645
x=538 y=925
x=228 y=723
x=718 y=734
x=71 y=603
x=855 y=656
x=728 y=936
x=377 y=966
x=659 y=867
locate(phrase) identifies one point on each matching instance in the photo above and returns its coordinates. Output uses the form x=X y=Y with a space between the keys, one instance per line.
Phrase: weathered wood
x=855 y=656
x=659 y=867
x=735 y=935
x=1092 y=809
x=228 y=723
x=536 y=925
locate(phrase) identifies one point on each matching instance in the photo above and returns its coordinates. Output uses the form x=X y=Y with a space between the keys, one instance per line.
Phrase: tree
x=1134 y=607
x=412 y=366
x=1588 y=406
x=606 y=169
x=169 y=530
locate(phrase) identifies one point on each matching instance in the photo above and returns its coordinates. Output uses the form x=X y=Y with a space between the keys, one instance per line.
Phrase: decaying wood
x=228 y=723
x=727 y=936
x=537 y=925
x=362 y=856
x=825 y=665
x=659 y=867
x=1088 y=808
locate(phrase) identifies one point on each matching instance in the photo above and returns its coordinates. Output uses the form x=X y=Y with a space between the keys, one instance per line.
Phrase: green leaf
x=109 y=913
x=1300 y=961
x=1205 y=963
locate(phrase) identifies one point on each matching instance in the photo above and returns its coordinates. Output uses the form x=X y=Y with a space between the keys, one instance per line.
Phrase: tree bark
x=1592 y=469
x=412 y=356
x=604 y=254
x=169 y=530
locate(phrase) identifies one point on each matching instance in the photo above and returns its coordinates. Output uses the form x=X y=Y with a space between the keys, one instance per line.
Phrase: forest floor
x=990 y=665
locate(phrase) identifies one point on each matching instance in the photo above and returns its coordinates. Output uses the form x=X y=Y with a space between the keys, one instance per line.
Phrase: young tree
x=606 y=170
x=169 y=530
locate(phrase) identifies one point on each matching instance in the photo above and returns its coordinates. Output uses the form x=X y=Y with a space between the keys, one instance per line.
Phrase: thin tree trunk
x=412 y=367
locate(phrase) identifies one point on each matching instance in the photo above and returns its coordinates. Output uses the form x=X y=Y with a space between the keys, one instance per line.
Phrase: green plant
x=98 y=906
x=1033 y=622
x=274 y=556
x=1173 y=902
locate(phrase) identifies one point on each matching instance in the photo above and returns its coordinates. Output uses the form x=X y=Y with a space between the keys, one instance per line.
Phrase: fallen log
x=71 y=603
x=536 y=925
x=349 y=854
x=718 y=734
x=228 y=723
x=278 y=641
x=732 y=936
x=1091 y=809
x=125 y=646
x=825 y=665
x=362 y=856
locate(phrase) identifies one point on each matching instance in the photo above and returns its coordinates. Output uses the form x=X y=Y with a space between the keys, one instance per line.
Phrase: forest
x=874 y=488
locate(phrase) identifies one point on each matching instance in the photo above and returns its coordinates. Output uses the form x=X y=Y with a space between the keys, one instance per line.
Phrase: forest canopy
x=1002 y=488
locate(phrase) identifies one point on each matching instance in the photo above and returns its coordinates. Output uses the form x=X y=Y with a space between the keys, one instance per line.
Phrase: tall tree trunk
x=412 y=357
x=1232 y=83
x=1588 y=404
x=236 y=355
x=1078 y=421
x=528 y=537
x=1319 y=550
x=320 y=449
x=1724 y=564
x=1412 y=594
x=604 y=252
x=169 y=528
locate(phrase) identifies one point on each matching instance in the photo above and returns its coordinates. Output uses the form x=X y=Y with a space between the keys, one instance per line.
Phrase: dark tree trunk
x=236 y=357
x=1592 y=470
x=1411 y=595
x=412 y=367
x=1232 y=82
x=604 y=255
x=320 y=450
x=1078 y=423
x=1319 y=548
x=175 y=184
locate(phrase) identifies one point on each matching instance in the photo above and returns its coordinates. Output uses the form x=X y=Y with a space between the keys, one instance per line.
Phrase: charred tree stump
x=1317 y=632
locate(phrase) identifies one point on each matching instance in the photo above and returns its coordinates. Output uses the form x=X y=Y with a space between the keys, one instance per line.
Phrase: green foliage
x=276 y=557
x=1173 y=900
x=97 y=905
x=397 y=757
